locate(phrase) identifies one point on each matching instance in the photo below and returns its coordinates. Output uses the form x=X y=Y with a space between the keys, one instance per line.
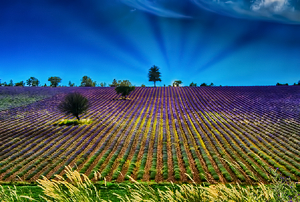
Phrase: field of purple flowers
x=214 y=134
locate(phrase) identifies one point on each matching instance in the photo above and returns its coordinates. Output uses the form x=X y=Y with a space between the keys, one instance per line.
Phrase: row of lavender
x=214 y=134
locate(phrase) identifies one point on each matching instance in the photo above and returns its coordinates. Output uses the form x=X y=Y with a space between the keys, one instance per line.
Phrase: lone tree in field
x=124 y=90
x=154 y=74
x=54 y=80
x=75 y=104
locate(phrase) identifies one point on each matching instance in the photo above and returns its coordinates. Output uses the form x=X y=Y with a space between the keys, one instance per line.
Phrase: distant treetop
x=193 y=84
x=21 y=83
x=32 y=81
x=154 y=74
x=281 y=84
x=87 y=82
x=71 y=84
x=54 y=80
x=120 y=83
x=177 y=83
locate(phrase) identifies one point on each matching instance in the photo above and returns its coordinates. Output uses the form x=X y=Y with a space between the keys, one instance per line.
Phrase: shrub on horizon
x=32 y=81
x=21 y=83
x=193 y=84
x=280 y=84
x=54 y=80
x=87 y=82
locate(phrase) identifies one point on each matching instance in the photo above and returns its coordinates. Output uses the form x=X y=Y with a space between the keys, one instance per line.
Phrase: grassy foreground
x=78 y=187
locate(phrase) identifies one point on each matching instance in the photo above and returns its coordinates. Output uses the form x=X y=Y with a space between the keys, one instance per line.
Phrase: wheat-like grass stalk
x=74 y=187
x=11 y=195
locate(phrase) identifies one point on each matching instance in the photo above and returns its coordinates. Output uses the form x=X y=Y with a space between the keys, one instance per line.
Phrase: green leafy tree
x=177 y=83
x=124 y=83
x=193 y=84
x=71 y=84
x=36 y=83
x=203 y=84
x=54 y=80
x=32 y=81
x=11 y=83
x=102 y=84
x=280 y=84
x=124 y=90
x=154 y=74
x=21 y=83
x=211 y=84
x=143 y=85
x=75 y=104
x=114 y=83
x=87 y=82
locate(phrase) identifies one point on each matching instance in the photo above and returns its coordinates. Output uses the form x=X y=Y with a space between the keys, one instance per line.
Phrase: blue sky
x=224 y=42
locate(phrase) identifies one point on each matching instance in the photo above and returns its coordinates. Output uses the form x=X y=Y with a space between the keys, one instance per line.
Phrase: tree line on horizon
x=154 y=75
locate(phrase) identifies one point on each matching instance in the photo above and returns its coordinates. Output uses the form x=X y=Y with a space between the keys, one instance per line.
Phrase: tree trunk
x=154 y=84
x=77 y=116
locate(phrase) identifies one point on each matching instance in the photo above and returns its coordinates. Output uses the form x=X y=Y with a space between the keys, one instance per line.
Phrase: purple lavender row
x=274 y=150
x=153 y=169
x=112 y=145
x=16 y=155
x=190 y=143
x=205 y=155
x=64 y=149
x=137 y=149
x=141 y=170
x=242 y=146
x=246 y=109
x=176 y=168
x=262 y=137
x=97 y=153
x=282 y=166
x=267 y=127
x=26 y=137
x=33 y=156
x=255 y=150
x=110 y=148
x=211 y=144
x=49 y=137
x=88 y=131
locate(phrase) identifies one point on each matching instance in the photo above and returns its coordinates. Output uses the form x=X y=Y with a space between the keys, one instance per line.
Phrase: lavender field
x=214 y=134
